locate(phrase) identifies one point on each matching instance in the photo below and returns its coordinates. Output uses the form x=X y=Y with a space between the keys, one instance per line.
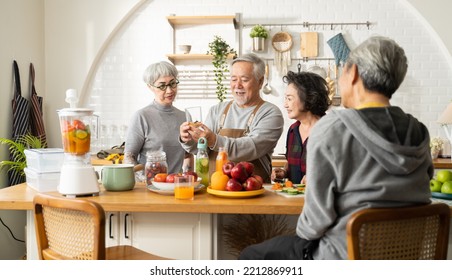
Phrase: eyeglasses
x=172 y=84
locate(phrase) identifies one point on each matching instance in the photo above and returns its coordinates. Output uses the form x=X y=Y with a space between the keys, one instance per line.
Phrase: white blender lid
x=68 y=112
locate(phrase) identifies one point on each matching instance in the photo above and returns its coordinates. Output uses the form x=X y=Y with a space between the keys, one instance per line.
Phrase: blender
x=77 y=177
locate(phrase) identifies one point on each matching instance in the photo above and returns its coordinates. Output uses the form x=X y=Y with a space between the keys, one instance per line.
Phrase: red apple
x=239 y=173
x=259 y=178
x=170 y=177
x=249 y=167
x=233 y=185
x=227 y=167
x=193 y=173
x=252 y=184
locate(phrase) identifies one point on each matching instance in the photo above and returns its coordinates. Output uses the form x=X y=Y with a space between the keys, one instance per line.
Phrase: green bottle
x=202 y=162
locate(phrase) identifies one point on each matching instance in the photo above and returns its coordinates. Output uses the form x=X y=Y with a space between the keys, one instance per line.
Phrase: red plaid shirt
x=295 y=154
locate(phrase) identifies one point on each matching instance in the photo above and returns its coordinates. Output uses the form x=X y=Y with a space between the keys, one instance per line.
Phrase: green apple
x=444 y=175
x=447 y=187
x=435 y=185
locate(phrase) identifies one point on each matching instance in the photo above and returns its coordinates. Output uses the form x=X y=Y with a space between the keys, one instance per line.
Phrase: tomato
x=160 y=177
x=66 y=126
x=78 y=124
x=170 y=177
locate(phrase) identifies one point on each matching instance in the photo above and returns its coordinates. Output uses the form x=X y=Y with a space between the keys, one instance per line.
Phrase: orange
x=219 y=180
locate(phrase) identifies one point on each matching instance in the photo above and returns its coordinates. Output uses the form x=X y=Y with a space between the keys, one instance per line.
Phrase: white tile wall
x=117 y=89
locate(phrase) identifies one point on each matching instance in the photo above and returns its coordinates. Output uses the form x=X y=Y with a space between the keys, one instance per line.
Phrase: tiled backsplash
x=117 y=89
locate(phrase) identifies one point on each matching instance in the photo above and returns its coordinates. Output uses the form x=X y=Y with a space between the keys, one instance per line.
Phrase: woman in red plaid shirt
x=306 y=101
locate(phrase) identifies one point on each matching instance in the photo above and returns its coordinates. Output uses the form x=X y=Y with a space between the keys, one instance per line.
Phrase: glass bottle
x=202 y=162
x=155 y=163
x=221 y=159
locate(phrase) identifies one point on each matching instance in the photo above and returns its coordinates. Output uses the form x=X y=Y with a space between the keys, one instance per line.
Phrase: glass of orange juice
x=184 y=187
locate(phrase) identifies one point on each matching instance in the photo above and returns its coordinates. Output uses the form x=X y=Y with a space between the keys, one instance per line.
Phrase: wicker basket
x=279 y=38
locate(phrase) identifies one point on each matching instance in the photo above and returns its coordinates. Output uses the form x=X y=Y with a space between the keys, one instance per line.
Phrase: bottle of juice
x=222 y=158
x=202 y=162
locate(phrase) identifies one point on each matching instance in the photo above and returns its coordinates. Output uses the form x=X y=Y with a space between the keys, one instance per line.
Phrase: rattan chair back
x=74 y=229
x=409 y=233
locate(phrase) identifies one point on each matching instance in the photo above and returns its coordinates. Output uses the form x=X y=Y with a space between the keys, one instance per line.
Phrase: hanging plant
x=220 y=51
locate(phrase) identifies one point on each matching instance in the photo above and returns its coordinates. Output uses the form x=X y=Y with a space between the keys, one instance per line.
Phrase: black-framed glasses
x=172 y=84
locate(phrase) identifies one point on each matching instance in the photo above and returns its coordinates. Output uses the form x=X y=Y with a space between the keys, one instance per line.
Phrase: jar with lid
x=155 y=163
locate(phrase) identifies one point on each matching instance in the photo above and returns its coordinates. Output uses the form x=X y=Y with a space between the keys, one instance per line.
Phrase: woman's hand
x=185 y=135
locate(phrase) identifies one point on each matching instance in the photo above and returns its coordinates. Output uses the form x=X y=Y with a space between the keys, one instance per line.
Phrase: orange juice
x=221 y=159
x=184 y=192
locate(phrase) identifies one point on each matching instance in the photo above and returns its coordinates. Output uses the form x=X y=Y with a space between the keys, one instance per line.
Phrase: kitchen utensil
x=317 y=70
x=309 y=44
x=282 y=43
x=118 y=177
x=185 y=49
x=267 y=88
x=331 y=83
x=299 y=67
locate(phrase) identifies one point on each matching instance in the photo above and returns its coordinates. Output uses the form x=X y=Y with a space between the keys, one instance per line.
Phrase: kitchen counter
x=140 y=199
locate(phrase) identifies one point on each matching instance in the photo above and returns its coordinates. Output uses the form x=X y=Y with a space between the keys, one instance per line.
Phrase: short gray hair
x=258 y=64
x=156 y=70
x=381 y=63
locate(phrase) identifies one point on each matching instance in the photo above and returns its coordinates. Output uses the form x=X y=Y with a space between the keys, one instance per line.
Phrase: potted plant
x=220 y=51
x=258 y=33
x=436 y=144
x=17 y=151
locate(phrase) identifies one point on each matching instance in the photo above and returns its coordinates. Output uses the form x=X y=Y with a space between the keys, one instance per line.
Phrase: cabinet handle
x=125 y=226
x=110 y=226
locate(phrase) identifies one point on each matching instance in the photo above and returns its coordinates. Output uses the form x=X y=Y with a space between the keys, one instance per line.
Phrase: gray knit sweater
x=156 y=127
x=374 y=157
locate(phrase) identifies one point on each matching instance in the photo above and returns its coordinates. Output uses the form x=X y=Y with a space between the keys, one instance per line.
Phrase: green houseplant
x=259 y=34
x=17 y=151
x=220 y=50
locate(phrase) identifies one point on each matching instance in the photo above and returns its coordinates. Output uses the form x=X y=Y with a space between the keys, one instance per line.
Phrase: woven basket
x=282 y=37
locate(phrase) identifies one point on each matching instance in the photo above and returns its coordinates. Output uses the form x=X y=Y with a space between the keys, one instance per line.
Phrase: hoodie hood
x=398 y=154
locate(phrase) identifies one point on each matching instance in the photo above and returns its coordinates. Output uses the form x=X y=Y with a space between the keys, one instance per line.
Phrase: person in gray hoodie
x=370 y=154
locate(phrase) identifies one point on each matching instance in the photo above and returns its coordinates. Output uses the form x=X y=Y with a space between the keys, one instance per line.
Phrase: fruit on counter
x=435 y=185
x=193 y=173
x=444 y=175
x=234 y=185
x=259 y=178
x=239 y=173
x=447 y=187
x=227 y=167
x=249 y=167
x=252 y=184
x=218 y=181
x=160 y=177
x=170 y=177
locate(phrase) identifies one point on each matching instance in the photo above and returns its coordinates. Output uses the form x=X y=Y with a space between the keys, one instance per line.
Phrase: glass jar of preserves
x=155 y=163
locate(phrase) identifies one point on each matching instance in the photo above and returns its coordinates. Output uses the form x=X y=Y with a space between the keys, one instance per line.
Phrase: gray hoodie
x=374 y=157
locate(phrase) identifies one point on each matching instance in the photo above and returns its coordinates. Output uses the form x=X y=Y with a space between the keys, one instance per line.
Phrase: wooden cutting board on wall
x=309 y=44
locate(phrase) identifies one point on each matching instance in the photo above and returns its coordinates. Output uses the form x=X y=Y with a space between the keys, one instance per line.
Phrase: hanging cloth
x=36 y=116
x=21 y=125
x=282 y=43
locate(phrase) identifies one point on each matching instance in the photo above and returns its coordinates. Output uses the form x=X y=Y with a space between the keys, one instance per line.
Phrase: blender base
x=78 y=180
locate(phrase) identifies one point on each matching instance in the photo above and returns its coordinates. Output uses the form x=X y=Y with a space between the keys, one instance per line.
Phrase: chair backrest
x=67 y=228
x=418 y=232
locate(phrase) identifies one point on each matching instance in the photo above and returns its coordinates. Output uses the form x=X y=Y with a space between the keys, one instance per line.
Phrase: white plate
x=268 y=187
x=169 y=186
x=198 y=188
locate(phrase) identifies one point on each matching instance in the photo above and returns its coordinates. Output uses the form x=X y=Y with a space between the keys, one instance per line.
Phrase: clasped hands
x=189 y=132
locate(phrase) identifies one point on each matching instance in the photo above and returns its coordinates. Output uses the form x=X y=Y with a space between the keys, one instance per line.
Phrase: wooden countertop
x=442 y=163
x=140 y=199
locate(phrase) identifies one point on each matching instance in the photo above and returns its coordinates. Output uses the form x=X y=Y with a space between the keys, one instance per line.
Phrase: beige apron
x=237 y=133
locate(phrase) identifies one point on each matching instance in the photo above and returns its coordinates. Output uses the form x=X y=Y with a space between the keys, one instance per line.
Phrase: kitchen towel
x=339 y=48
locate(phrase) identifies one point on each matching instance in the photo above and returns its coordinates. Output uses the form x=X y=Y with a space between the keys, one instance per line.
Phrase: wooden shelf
x=175 y=57
x=181 y=20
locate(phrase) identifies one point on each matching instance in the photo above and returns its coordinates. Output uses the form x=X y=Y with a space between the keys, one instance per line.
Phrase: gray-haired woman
x=156 y=126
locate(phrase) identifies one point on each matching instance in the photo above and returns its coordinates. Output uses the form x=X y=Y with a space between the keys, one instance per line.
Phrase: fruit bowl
x=235 y=194
x=169 y=186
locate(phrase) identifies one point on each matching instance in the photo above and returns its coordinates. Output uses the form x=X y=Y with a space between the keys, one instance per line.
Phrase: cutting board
x=309 y=44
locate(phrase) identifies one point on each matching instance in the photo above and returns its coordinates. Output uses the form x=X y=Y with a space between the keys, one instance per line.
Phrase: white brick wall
x=117 y=89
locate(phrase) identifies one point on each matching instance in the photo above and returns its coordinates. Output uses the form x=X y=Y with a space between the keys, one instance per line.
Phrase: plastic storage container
x=42 y=182
x=45 y=160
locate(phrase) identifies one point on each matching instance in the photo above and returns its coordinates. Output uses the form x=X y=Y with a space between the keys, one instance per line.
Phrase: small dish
x=152 y=188
x=442 y=195
x=169 y=186
x=239 y=194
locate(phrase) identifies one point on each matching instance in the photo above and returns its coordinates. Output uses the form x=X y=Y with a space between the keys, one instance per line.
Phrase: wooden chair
x=409 y=233
x=74 y=229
